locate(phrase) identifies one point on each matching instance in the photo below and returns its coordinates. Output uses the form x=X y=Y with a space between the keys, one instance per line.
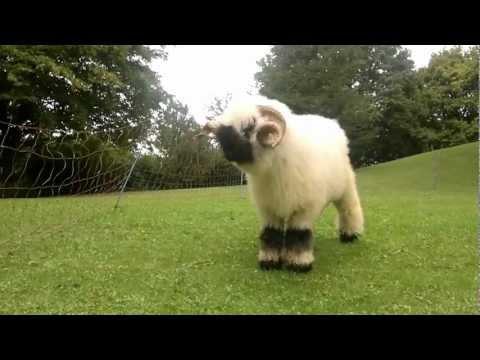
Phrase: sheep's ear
x=272 y=131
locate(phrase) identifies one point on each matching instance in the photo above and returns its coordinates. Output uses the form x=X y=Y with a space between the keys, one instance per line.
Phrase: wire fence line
x=37 y=162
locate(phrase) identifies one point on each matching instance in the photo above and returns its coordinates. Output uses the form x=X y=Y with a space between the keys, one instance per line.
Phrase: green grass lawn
x=194 y=251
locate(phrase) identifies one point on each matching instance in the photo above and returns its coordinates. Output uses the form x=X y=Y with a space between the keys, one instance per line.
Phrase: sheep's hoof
x=346 y=238
x=270 y=265
x=300 y=268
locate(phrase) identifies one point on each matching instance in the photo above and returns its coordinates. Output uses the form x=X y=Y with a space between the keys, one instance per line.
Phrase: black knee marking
x=272 y=240
x=348 y=238
x=298 y=239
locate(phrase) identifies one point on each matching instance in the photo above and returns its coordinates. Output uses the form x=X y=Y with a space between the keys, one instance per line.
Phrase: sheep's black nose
x=235 y=147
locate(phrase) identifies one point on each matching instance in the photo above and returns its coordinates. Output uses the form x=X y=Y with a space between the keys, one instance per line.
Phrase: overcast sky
x=195 y=74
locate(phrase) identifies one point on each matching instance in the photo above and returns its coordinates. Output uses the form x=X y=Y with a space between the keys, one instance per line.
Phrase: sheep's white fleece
x=310 y=168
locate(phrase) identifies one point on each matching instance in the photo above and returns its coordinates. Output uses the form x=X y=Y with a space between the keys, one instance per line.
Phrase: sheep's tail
x=350 y=214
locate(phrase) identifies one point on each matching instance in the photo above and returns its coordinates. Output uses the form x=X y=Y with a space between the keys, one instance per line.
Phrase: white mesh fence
x=37 y=162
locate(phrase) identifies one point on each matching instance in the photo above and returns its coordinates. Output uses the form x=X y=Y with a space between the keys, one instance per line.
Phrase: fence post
x=126 y=181
x=243 y=188
x=435 y=167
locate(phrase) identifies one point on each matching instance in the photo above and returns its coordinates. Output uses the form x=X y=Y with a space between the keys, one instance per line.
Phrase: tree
x=180 y=159
x=109 y=93
x=449 y=92
x=398 y=124
x=341 y=82
x=218 y=106
x=80 y=88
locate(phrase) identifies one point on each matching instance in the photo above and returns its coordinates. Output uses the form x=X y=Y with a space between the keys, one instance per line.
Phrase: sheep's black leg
x=350 y=214
x=348 y=238
x=298 y=252
x=271 y=243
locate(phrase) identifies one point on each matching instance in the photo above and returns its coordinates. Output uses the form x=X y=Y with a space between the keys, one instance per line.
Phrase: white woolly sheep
x=296 y=165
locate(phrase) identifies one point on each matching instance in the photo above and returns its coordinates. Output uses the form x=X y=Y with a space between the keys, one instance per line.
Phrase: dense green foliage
x=93 y=103
x=80 y=87
x=387 y=109
x=449 y=96
x=101 y=100
x=160 y=254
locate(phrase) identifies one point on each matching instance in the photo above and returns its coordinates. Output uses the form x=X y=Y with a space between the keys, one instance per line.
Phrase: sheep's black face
x=235 y=147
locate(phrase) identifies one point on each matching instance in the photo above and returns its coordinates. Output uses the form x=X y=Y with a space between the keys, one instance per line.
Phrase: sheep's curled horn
x=272 y=132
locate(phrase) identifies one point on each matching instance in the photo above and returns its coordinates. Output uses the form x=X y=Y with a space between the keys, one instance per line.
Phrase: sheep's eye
x=248 y=129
